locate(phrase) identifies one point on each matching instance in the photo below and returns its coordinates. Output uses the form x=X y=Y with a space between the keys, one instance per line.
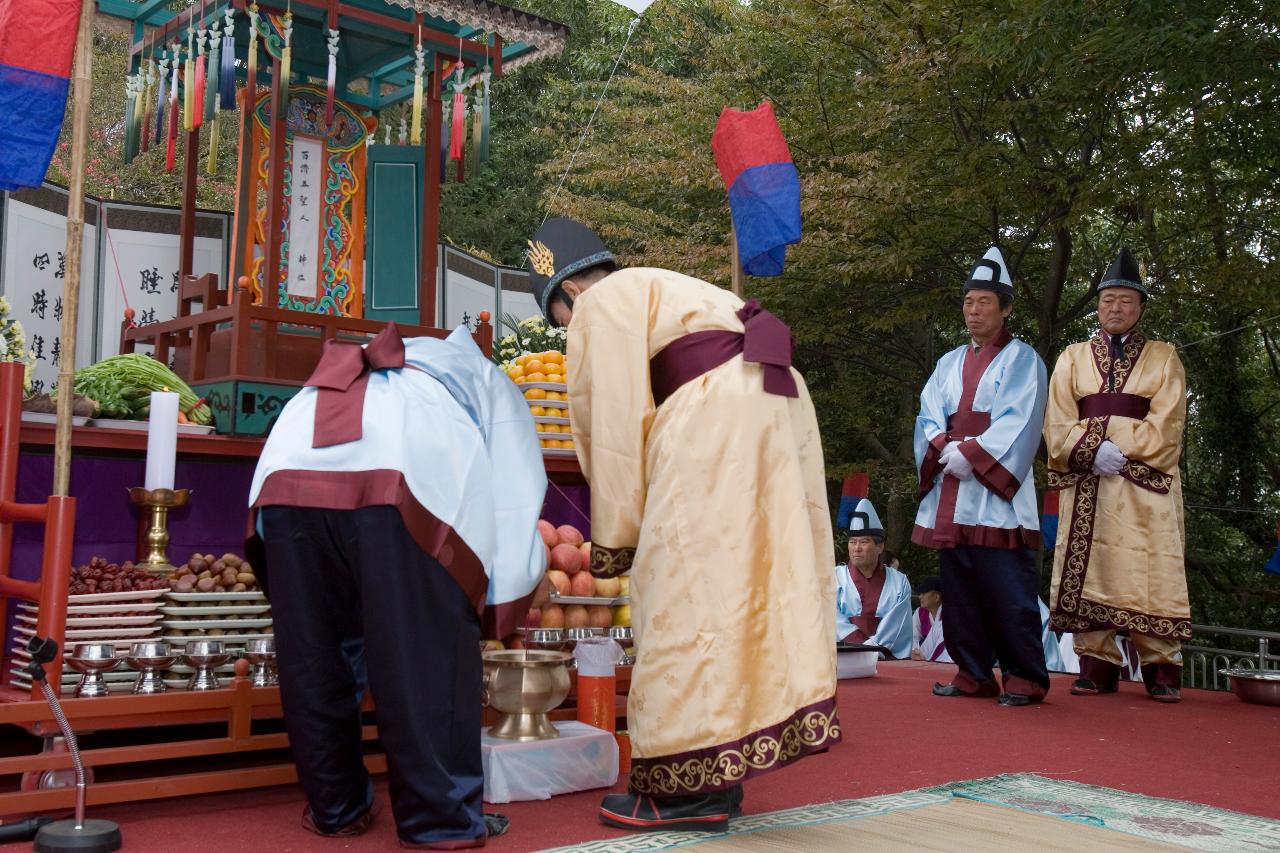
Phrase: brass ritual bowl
x=523 y=685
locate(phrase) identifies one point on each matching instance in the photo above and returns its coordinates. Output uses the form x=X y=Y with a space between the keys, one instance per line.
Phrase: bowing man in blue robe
x=873 y=601
x=975 y=439
x=397 y=498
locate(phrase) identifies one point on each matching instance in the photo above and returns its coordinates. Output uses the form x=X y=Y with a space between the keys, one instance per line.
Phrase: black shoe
x=1168 y=695
x=735 y=801
x=642 y=813
x=946 y=690
x=1017 y=700
x=1089 y=687
x=495 y=825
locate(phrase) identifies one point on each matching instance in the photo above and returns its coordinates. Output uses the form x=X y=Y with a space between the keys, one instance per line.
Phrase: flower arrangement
x=13 y=342
x=531 y=335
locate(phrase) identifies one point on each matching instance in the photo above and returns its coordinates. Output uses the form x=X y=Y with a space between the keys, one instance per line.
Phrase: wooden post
x=275 y=189
x=187 y=224
x=431 y=197
x=737 y=261
x=75 y=245
x=246 y=190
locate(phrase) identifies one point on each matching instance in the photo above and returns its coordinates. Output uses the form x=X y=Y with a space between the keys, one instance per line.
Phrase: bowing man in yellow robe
x=701 y=447
x=1117 y=407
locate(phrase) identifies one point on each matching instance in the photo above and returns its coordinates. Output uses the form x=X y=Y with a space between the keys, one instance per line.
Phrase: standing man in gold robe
x=1117 y=407
x=701 y=446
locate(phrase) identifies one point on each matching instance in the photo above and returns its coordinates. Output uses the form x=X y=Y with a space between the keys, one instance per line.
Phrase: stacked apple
x=569 y=558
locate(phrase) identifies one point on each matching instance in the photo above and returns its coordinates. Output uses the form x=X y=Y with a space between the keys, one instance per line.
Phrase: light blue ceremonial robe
x=460 y=433
x=894 y=610
x=996 y=506
x=1052 y=651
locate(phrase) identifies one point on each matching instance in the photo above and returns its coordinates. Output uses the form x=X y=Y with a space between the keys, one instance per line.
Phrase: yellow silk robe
x=716 y=503
x=1119 y=556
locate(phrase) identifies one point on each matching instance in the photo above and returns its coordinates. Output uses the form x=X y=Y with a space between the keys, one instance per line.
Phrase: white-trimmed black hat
x=991 y=273
x=864 y=521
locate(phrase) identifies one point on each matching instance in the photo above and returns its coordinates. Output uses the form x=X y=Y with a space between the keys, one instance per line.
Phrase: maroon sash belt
x=765 y=340
x=1120 y=404
x=342 y=377
x=962 y=425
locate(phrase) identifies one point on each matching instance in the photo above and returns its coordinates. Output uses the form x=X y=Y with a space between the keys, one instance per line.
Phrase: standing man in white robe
x=976 y=437
x=400 y=490
x=873 y=601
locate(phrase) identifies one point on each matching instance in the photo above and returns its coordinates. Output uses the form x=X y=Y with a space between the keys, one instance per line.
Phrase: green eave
x=377 y=40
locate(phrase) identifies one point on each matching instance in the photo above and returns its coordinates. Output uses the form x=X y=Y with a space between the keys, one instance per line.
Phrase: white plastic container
x=856 y=664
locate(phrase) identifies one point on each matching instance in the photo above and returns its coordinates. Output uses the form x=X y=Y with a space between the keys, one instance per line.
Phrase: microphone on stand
x=76 y=834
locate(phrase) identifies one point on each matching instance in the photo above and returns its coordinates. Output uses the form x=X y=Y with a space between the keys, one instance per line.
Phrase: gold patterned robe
x=1119 y=556
x=715 y=501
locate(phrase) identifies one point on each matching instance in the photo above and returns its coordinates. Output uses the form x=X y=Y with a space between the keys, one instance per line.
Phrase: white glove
x=1108 y=460
x=945 y=456
x=958 y=466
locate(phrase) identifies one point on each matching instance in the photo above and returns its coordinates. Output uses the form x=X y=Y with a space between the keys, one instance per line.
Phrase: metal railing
x=1201 y=664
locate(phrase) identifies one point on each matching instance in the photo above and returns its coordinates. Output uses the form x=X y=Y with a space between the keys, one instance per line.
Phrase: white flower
x=4 y=307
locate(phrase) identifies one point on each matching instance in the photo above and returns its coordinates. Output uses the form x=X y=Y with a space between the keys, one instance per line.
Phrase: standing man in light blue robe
x=975 y=440
x=873 y=601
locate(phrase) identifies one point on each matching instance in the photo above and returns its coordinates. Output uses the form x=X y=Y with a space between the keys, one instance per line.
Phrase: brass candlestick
x=160 y=501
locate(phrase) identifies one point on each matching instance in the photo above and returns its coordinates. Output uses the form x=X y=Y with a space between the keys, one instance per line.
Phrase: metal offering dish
x=1260 y=686
x=93 y=659
x=150 y=659
x=547 y=639
x=523 y=685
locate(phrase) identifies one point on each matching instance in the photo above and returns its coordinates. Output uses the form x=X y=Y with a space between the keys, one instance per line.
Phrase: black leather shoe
x=1168 y=695
x=1089 y=687
x=1016 y=700
x=642 y=813
x=735 y=801
x=946 y=690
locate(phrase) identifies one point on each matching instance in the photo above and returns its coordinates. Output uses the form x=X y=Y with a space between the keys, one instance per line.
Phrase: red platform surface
x=1212 y=749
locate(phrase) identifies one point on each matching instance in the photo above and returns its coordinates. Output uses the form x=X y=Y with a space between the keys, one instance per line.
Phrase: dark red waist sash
x=1123 y=405
x=962 y=425
x=766 y=340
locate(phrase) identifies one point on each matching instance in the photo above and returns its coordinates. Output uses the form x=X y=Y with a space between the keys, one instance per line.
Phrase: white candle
x=162 y=440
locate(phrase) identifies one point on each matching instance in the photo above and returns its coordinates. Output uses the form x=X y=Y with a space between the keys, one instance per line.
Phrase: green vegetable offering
x=122 y=385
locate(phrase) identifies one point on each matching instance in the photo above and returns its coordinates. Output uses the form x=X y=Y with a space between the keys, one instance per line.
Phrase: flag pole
x=737 y=260
x=83 y=83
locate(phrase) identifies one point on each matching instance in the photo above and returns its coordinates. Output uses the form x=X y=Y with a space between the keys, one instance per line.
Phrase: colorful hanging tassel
x=227 y=74
x=163 y=66
x=458 y=126
x=197 y=87
x=419 y=65
x=130 y=134
x=484 y=117
x=188 y=78
x=144 y=131
x=212 y=70
x=476 y=120
x=251 y=75
x=286 y=58
x=332 y=81
x=172 y=148
x=444 y=145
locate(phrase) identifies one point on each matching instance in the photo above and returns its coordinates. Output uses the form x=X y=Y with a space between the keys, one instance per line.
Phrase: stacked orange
x=544 y=367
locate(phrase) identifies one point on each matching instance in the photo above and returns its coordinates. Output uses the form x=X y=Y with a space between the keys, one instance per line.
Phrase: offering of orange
x=536 y=394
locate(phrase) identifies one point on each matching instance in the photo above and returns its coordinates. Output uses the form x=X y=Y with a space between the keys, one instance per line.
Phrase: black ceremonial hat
x=930 y=584
x=991 y=273
x=1124 y=272
x=560 y=248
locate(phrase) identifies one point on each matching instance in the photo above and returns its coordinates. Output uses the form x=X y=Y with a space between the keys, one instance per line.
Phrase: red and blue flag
x=1273 y=565
x=37 y=48
x=764 y=187
x=854 y=489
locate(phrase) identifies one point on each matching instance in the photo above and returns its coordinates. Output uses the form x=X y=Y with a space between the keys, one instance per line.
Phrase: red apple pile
x=569 y=559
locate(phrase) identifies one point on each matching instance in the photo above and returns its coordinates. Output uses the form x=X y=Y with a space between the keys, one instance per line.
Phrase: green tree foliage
x=925 y=131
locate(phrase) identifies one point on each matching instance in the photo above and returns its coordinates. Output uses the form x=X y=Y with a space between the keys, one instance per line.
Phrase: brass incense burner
x=523 y=685
x=160 y=501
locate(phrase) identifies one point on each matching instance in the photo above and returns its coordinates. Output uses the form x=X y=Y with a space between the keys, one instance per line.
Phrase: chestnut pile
x=100 y=576
x=206 y=573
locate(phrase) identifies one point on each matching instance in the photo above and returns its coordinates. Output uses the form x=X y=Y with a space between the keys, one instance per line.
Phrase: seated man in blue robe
x=873 y=601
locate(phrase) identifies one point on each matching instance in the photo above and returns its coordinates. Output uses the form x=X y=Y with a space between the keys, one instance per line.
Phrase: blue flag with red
x=1273 y=565
x=764 y=187
x=853 y=489
x=37 y=47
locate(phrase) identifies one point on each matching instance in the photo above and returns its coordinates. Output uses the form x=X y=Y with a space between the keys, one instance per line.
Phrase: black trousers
x=990 y=613
x=336 y=576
